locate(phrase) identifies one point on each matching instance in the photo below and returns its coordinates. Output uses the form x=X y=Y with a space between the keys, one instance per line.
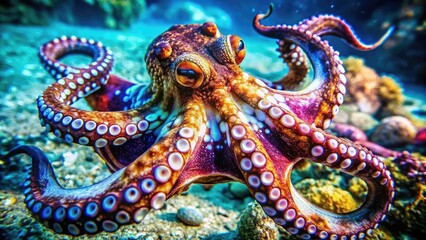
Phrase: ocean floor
x=22 y=79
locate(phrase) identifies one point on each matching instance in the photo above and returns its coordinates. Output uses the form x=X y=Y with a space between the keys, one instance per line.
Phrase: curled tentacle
x=97 y=128
x=287 y=139
x=326 y=92
x=118 y=94
x=125 y=197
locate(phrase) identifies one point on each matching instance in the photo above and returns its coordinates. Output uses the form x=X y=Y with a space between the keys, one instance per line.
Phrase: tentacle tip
x=390 y=31
x=270 y=9
x=267 y=14
x=385 y=37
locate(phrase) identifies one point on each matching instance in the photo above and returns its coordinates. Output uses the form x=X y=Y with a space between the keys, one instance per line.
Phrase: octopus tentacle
x=326 y=92
x=52 y=51
x=291 y=210
x=124 y=197
x=297 y=63
x=251 y=156
x=118 y=94
x=331 y=25
x=95 y=128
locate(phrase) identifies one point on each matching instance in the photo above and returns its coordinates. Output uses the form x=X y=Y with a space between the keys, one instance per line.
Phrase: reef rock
x=110 y=14
x=394 y=131
x=363 y=121
x=255 y=225
x=409 y=207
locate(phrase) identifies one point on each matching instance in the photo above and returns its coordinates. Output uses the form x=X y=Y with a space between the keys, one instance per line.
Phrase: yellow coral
x=326 y=195
x=353 y=64
x=390 y=92
x=358 y=188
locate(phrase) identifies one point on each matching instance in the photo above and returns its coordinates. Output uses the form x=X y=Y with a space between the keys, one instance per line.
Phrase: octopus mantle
x=202 y=119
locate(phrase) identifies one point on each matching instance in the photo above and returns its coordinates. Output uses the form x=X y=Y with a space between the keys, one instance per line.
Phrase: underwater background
x=386 y=96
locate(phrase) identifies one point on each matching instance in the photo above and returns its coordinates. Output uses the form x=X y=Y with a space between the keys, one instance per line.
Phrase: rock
x=239 y=190
x=394 y=131
x=190 y=216
x=255 y=225
x=341 y=117
x=363 y=121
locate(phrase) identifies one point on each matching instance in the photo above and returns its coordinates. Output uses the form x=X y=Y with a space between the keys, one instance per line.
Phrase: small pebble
x=10 y=201
x=69 y=158
x=190 y=216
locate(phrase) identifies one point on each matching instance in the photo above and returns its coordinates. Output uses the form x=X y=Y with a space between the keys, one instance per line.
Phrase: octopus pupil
x=189 y=73
x=240 y=46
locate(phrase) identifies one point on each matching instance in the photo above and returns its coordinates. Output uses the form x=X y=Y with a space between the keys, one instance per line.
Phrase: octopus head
x=194 y=56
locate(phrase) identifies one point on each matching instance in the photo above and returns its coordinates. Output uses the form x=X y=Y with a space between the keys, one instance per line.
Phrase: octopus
x=202 y=119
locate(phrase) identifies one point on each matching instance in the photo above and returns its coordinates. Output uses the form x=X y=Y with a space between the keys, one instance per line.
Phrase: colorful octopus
x=203 y=120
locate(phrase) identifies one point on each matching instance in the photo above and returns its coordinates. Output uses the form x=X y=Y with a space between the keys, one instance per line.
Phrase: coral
x=117 y=14
x=390 y=92
x=362 y=85
x=255 y=225
x=357 y=188
x=353 y=64
x=325 y=194
x=381 y=96
x=392 y=98
x=120 y=13
x=33 y=12
x=409 y=207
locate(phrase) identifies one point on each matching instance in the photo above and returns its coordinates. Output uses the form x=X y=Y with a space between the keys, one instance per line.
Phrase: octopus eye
x=239 y=48
x=163 y=50
x=209 y=28
x=189 y=74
